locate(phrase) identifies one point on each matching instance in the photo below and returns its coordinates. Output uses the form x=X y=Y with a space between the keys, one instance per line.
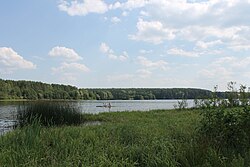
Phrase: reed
x=49 y=114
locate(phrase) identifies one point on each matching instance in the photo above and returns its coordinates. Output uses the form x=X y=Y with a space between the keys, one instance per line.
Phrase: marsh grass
x=49 y=114
x=144 y=139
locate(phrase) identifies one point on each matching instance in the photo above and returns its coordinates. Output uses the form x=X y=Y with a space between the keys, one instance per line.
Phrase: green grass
x=155 y=138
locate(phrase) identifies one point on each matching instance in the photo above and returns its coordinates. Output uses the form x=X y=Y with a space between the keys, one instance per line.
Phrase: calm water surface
x=127 y=105
x=8 y=109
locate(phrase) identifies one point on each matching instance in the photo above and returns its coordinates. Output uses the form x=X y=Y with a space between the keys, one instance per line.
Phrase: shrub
x=49 y=113
x=181 y=104
x=226 y=128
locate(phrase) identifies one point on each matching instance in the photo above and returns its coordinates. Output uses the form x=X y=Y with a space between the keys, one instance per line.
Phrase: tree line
x=32 y=90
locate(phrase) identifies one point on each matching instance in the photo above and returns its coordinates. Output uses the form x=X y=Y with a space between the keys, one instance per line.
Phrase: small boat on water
x=101 y=106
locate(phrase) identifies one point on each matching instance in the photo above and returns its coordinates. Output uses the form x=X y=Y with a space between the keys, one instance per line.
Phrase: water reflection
x=6 y=125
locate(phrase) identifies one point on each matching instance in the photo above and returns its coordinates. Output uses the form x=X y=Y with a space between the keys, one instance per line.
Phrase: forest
x=32 y=90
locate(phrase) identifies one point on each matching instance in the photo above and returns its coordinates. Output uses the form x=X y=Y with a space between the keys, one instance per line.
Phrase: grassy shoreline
x=154 y=138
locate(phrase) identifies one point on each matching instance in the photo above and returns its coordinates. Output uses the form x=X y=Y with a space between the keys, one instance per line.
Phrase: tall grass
x=49 y=114
x=156 y=138
x=126 y=139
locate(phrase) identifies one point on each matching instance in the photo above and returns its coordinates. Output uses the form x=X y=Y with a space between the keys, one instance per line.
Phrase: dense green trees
x=38 y=90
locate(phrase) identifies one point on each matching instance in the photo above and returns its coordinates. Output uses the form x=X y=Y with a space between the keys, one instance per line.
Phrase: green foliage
x=232 y=95
x=227 y=129
x=49 y=113
x=181 y=104
x=232 y=98
x=37 y=90
x=243 y=95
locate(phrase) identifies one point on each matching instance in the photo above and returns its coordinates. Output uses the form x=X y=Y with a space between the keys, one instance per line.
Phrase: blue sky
x=126 y=43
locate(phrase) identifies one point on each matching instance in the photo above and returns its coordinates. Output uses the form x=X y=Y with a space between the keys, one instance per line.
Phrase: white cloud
x=181 y=52
x=104 y=48
x=105 y=18
x=64 y=52
x=129 y=4
x=235 y=37
x=160 y=64
x=123 y=56
x=240 y=44
x=206 y=32
x=206 y=45
x=68 y=72
x=65 y=67
x=11 y=60
x=206 y=23
x=144 y=73
x=224 y=60
x=83 y=7
x=212 y=12
x=143 y=51
x=116 y=5
x=232 y=62
x=217 y=73
x=191 y=10
x=153 y=32
x=225 y=69
x=143 y=13
x=115 y=20
x=124 y=13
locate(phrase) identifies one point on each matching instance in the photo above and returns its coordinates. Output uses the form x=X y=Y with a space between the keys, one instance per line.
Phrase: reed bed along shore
x=155 y=138
x=49 y=113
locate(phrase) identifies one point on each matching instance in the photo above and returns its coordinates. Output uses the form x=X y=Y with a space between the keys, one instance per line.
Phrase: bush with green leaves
x=226 y=129
x=181 y=104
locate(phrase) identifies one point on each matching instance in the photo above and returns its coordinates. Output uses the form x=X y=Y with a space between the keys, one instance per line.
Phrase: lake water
x=8 y=109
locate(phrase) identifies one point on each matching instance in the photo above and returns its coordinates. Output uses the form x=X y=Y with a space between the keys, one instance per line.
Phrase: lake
x=8 y=109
